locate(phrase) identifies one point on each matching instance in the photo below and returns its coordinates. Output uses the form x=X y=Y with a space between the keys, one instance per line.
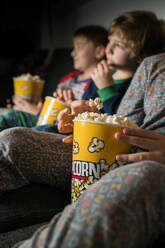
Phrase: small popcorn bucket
x=31 y=91
x=50 y=110
x=94 y=153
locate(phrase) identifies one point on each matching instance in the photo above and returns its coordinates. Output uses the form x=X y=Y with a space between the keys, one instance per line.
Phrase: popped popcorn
x=115 y=119
x=96 y=102
x=29 y=77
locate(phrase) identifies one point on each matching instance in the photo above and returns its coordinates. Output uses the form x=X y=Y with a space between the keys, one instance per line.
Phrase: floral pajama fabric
x=144 y=101
x=125 y=209
x=28 y=156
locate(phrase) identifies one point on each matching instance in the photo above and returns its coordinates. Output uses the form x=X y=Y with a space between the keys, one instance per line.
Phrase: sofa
x=22 y=211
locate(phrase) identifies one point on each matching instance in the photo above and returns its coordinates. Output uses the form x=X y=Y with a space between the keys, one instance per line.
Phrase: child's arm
x=111 y=96
x=110 y=93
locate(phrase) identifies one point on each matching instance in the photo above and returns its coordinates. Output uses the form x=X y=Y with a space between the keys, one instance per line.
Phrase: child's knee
x=129 y=178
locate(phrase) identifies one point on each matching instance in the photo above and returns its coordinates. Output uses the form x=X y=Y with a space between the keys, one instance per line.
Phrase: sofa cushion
x=30 y=205
x=9 y=239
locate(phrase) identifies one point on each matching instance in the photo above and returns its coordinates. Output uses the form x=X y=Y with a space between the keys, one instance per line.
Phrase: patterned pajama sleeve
x=125 y=209
x=28 y=156
x=144 y=101
x=14 y=118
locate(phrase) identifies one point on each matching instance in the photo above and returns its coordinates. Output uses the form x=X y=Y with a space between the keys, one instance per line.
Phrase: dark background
x=24 y=27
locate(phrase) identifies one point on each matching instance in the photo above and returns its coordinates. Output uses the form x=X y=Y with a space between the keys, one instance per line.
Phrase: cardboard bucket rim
x=103 y=123
x=31 y=81
x=57 y=100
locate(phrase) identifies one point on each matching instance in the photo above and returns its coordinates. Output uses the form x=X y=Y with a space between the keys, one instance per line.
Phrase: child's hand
x=64 y=95
x=102 y=76
x=26 y=106
x=80 y=106
x=65 y=124
x=148 y=140
x=66 y=116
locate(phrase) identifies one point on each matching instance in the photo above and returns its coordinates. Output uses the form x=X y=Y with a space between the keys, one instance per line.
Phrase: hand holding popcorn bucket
x=94 y=152
x=28 y=87
x=50 y=110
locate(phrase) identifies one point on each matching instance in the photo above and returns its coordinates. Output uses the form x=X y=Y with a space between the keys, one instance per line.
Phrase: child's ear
x=100 y=52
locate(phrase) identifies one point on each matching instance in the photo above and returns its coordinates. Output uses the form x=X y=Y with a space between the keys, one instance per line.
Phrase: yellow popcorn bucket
x=31 y=91
x=50 y=110
x=94 y=151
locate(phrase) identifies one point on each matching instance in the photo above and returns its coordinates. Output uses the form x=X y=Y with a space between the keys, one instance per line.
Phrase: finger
x=65 y=95
x=60 y=93
x=105 y=66
x=103 y=61
x=68 y=139
x=62 y=113
x=80 y=106
x=77 y=106
x=23 y=103
x=65 y=115
x=26 y=104
x=40 y=104
x=94 y=72
x=145 y=143
x=100 y=68
x=135 y=157
x=16 y=99
x=65 y=124
x=89 y=108
x=93 y=76
x=55 y=94
x=141 y=133
x=70 y=95
x=65 y=128
x=17 y=107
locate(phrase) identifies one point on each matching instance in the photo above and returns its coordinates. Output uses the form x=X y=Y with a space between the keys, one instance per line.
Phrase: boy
x=131 y=39
x=129 y=42
x=89 y=48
